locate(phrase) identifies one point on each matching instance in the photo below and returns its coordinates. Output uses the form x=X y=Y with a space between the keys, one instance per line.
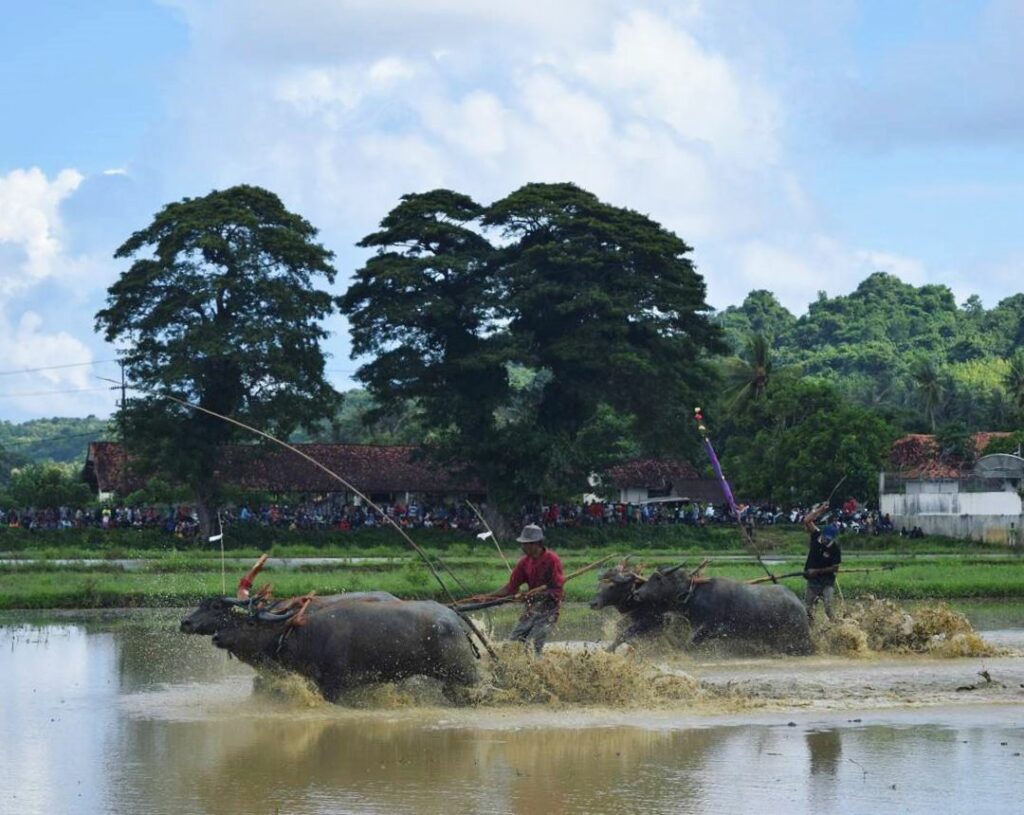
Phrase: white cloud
x=481 y=98
x=30 y=221
x=796 y=271
x=660 y=72
x=31 y=344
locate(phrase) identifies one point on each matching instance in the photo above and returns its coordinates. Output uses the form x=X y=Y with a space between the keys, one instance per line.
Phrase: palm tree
x=1014 y=379
x=749 y=374
x=926 y=376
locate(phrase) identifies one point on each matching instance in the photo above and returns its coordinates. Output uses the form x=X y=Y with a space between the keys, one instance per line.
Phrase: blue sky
x=797 y=146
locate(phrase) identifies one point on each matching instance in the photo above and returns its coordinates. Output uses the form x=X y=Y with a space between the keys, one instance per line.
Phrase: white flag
x=484 y=535
x=217 y=537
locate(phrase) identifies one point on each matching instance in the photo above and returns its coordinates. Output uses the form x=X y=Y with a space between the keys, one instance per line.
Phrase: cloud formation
x=765 y=135
x=30 y=225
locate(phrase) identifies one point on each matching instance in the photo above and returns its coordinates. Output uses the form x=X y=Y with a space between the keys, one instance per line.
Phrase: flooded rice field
x=900 y=711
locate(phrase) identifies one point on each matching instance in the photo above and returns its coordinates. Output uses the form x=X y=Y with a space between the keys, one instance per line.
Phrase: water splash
x=581 y=677
x=882 y=626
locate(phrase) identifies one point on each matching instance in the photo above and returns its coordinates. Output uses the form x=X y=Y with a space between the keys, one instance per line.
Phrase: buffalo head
x=214 y=613
x=257 y=633
x=615 y=588
x=665 y=588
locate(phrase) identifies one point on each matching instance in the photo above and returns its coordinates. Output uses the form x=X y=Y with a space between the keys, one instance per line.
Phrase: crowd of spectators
x=182 y=520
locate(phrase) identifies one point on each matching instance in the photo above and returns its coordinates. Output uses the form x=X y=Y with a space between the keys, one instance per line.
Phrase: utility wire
x=51 y=393
x=55 y=367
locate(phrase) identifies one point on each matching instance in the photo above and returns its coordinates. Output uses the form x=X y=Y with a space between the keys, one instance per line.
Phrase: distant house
x=978 y=502
x=648 y=479
x=383 y=473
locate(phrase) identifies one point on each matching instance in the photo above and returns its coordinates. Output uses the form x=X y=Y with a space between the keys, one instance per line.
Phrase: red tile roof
x=917 y=456
x=651 y=472
x=370 y=468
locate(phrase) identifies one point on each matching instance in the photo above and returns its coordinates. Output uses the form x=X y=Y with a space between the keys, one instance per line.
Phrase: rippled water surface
x=122 y=714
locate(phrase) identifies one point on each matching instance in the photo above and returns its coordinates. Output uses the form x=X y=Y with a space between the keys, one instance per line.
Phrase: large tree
x=423 y=308
x=801 y=440
x=579 y=334
x=220 y=307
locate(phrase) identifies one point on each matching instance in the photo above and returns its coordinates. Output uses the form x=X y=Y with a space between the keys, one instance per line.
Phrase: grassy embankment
x=176 y=573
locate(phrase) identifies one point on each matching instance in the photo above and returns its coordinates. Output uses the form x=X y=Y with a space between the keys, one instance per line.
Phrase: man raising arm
x=823 y=559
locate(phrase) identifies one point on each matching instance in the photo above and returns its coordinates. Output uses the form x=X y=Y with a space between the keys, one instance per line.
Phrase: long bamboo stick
x=886 y=568
x=468 y=604
x=416 y=548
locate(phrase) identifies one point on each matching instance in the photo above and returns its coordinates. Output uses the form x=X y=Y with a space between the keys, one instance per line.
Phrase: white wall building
x=983 y=505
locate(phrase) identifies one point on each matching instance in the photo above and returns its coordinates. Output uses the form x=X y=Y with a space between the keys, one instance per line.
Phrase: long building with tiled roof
x=374 y=470
x=381 y=471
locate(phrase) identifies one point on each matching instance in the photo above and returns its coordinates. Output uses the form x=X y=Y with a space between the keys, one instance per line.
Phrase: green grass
x=179 y=579
x=250 y=540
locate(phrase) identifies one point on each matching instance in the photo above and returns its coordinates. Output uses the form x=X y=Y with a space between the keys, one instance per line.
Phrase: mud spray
x=636 y=675
x=875 y=626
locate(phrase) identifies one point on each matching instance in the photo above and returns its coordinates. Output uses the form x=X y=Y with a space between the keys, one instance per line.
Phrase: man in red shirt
x=538 y=566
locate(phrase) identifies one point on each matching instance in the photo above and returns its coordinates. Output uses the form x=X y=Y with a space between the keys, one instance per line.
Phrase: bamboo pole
x=469 y=604
x=886 y=568
x=349 y=486
x=490 y=532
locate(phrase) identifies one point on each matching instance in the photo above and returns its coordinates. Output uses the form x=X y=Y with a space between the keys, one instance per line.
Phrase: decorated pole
x=727 y=490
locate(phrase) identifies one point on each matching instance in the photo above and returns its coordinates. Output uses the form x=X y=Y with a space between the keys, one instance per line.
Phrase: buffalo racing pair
x=823 y=559
x=716 y=608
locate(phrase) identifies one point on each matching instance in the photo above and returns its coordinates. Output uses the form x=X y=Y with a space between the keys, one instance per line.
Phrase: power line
x=55 y=367
x=51 y=393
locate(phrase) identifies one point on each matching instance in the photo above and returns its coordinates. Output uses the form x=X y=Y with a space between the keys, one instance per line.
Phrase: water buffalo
x=720 y=608
x=616 y=588
x=216 y=612
x=347 y=644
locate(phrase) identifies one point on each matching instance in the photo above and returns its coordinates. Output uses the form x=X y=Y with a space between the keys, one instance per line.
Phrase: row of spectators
x=327 y=514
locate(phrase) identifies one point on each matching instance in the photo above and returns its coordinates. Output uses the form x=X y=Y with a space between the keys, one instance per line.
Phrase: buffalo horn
x=271 y=617
x=672 y=569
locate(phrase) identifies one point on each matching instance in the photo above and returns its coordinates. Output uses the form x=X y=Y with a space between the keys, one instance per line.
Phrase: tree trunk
x=503 y=529
x=207 y=506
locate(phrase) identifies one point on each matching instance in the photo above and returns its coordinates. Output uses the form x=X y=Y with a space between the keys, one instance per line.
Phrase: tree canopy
x=220 y=307
x=907 y=351
x=540 y=335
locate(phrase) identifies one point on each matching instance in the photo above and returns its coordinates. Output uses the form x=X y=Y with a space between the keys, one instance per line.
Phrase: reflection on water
x=127 y=716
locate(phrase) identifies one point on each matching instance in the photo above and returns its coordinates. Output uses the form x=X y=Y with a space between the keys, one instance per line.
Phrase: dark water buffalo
x=720 y=608
x=616 y=588
x=348 y=644
x=216 y=612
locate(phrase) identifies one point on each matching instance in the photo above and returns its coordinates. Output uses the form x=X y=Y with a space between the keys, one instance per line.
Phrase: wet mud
x=126 y=715
x=878 y=654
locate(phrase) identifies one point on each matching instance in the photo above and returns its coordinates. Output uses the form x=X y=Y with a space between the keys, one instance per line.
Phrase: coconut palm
x=928 y=379
x=748 y=374
x=1014 y=380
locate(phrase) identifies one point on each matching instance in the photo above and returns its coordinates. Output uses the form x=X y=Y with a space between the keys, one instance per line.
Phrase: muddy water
x=121 y=714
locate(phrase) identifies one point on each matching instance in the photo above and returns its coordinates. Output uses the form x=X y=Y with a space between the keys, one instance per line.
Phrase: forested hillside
x=56 y=439
x=910 y=352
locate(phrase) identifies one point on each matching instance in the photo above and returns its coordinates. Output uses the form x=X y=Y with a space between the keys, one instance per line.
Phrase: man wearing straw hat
x=538 y=567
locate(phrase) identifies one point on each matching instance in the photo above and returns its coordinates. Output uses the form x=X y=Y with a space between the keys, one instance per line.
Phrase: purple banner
x=721 y=478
